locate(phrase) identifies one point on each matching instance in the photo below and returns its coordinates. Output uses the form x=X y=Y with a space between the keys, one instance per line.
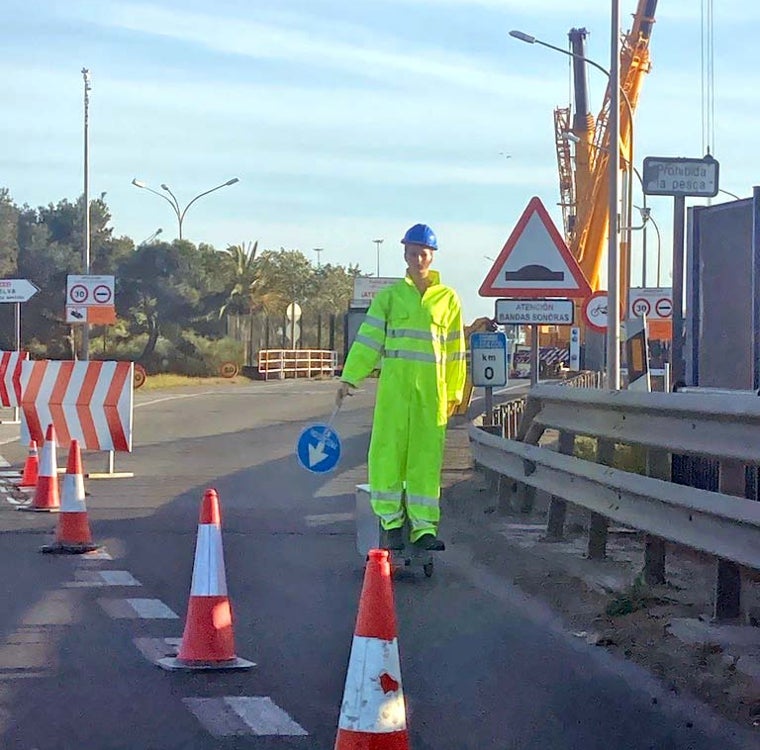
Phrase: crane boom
x=588 y=239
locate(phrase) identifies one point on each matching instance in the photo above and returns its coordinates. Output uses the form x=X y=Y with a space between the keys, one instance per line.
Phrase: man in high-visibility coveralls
x=413 y=331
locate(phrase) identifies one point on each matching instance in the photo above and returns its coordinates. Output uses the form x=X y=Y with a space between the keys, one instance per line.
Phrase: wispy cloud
x=302 y=40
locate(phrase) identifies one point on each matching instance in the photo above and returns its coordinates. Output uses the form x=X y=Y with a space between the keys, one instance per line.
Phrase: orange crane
x=584 y=185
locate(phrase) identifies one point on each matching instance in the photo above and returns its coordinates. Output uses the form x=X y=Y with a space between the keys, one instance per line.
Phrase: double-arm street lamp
x=174 y=203
x=613 y=248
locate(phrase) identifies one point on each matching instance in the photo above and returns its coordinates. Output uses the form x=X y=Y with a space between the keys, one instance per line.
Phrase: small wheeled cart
x=370 y=535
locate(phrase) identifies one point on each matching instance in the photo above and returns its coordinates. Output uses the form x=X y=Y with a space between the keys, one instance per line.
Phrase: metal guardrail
x=716 y=424
x=296 y=363
x=719 y=524
x=508 y=414
x=724 y=425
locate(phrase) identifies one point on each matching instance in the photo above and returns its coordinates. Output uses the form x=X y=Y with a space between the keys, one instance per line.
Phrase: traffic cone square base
x=32 y=509
x=173 y=664
x=57 y=548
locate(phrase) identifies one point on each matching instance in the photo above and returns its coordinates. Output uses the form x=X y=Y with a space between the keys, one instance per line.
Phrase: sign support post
x=680 y=177
x=679 y=219
x=535 y=264
x=17 y=291
x=535 y=359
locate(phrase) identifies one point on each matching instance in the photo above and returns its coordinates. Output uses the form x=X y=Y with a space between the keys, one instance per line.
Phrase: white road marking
x=509 y=388
x=147 y=609
x=154 y=649
x=95 y=556
x=325 y=519
x=241 y=715
x=93 y=578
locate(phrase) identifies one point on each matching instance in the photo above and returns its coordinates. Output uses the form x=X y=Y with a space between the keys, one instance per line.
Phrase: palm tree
x=252 y=293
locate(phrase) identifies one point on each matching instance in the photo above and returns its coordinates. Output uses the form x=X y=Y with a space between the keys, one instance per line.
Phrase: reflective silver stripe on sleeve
x=367 y=341
x=428 y=502
x=415 y=356
x=371 y=320
x=412 y=333
x=457 y=355
x=455 y=336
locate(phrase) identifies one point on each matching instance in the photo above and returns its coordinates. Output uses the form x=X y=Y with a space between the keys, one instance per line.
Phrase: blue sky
x=346 y=122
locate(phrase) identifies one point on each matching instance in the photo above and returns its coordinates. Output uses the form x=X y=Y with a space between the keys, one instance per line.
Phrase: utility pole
x=319 y=251
x=86 y=250
x=378 y=243
x=613 y=247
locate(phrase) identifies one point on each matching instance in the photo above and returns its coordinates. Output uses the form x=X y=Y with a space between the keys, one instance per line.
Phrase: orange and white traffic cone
x=73 y=536
x=31 y=467
x=208 y=641
x=373 y=712
x=46 y=496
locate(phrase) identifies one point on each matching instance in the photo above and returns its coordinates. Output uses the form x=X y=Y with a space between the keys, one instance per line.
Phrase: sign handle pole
x=534 y=356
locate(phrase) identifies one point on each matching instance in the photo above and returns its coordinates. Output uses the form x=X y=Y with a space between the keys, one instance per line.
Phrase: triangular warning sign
x=535 y=261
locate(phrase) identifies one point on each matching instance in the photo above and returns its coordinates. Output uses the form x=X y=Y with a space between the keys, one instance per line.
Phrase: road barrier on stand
x=87 y=401
x=715 y=424
x=297 y=363
x=10 y=377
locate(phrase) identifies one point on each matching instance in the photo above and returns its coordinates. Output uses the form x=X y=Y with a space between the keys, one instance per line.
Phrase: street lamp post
x=319 y=251
x=86 y=250
x=378 y=243
x=646 y=215
x=174 y=203
x=613 y=248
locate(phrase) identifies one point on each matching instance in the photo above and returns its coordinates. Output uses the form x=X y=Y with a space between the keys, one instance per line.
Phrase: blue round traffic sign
x=318 y=448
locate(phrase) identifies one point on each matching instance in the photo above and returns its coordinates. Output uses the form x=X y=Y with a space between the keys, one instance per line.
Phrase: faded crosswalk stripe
x=240 y=715
x=147 y=609
x=325 y=519
x=92 y=578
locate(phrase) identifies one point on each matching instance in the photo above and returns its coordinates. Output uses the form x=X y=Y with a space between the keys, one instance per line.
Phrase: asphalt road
x=483 y=666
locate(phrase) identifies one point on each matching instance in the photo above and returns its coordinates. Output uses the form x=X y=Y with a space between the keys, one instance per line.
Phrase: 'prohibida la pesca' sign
x=680 y=177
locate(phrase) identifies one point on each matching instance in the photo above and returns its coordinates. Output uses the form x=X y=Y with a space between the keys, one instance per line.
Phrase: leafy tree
x=165 y=288
x=9 y=214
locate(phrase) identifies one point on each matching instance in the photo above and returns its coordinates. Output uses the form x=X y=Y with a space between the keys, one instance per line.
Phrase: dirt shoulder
x=666 y=629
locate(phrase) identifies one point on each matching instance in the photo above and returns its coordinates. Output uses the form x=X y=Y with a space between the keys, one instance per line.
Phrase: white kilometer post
x=488 y=359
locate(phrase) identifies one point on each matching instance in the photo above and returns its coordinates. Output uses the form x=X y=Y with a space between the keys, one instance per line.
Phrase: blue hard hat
x=420 y=234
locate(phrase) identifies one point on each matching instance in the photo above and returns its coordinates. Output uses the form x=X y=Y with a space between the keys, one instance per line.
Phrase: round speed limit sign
x=641 y=307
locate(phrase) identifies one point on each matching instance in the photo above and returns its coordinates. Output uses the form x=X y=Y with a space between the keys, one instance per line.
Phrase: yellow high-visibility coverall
x=418 y=341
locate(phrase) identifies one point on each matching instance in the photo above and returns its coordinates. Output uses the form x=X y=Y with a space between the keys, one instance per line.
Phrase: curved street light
x=613 y=250
x=174 y=203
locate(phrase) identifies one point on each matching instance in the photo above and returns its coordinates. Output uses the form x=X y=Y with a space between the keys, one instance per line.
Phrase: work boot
x=394 y=539
x=430 y=543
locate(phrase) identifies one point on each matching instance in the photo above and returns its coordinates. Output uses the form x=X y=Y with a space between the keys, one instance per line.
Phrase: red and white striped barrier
x=10 y=377
x=86 y=401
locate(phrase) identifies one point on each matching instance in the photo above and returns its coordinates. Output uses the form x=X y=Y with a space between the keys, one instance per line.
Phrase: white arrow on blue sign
x=17 y=290
x=318 y=448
